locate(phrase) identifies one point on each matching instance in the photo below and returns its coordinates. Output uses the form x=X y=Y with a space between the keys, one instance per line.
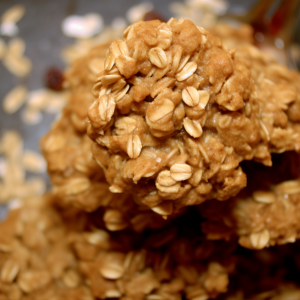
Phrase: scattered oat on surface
x=14 y=59
x=31 y=116
x=38 y=99
x=14 y=14
x=202 y=12
x=13 y=182
x=18 y=66
x=136 y=13
x=13 y=101
x=33 y=162
x=82 y=26
x=46 y=100
x=16 y=47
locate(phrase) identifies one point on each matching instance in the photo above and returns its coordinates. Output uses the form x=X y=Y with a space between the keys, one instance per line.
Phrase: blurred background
x=39 y=38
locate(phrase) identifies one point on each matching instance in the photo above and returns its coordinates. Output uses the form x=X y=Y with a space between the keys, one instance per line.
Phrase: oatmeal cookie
x=176 y=112
x=263 y=214
x=77 y=179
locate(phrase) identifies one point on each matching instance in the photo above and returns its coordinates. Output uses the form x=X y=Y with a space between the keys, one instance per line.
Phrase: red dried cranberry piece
x=54 y=79
x=153 y=15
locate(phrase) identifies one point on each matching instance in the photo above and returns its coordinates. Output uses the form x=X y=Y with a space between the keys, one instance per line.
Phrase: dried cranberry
x=153 y=15
x=54 y=79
